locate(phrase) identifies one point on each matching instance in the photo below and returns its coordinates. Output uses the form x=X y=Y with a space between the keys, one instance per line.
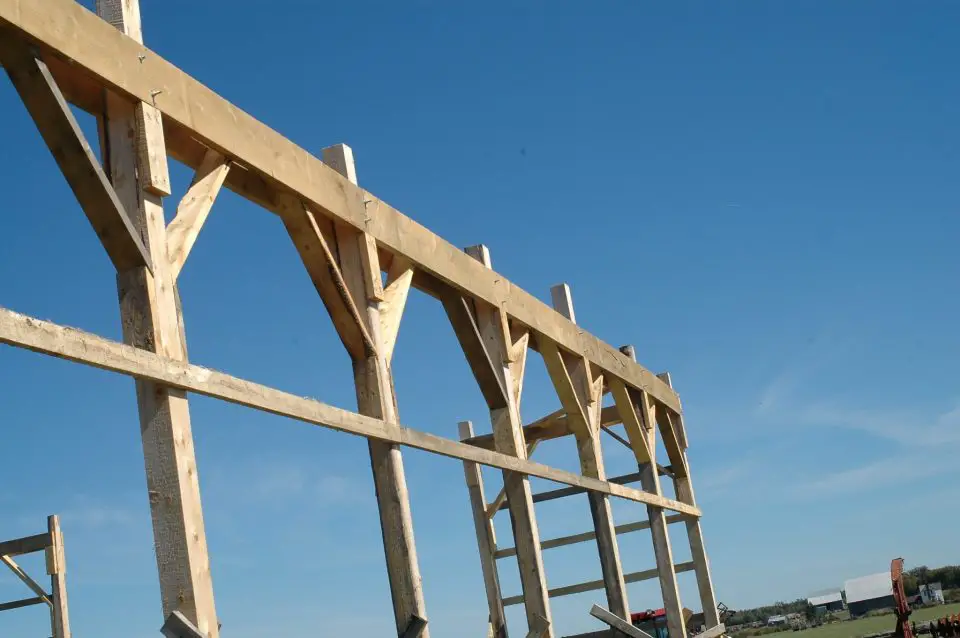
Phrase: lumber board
x=151 y=317
x=76 y=345
x=57 y=570
x=486 y=540
x=594 y=585
x=572 y=539
x=73 y=154
x=26 y=545
x=496 y=342
x=68 y=30
x=620 y=624
x=373 y=381
x=24 y=602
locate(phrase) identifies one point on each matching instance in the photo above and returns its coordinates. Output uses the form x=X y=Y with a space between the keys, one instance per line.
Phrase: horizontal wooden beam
x=25 y=602
x=562 y=541
x=26 y=545
x=573 y=491
x=275 y=164
x=593 y=585
x=75 y=345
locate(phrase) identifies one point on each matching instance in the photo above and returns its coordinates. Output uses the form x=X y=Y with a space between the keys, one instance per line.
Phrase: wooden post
x=698 y=552
x=650 y=481
x=497 y=355
x=136 y=156
x=583 y=409
x=361 y=272
x=486 y=540
x=57 y=569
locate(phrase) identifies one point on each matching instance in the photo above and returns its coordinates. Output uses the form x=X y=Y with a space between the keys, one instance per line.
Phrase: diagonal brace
x=59 y=129
x=618 y=623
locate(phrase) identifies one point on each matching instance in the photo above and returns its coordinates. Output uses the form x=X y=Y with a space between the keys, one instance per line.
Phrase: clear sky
x=760 y=196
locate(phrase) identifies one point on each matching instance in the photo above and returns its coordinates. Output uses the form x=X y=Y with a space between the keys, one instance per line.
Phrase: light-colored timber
x=363 y=257
x=151 y=318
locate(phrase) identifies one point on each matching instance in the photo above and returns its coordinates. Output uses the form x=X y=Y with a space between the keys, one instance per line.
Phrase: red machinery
x=903 y=610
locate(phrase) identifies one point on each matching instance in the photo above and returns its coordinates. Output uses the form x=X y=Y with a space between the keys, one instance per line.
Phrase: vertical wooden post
x=506 y=353
x=663 y=553
x=591 y=464
x=135 y=155
x=698 y=552
x=57 y=569
x=373 y=378
x=486 y=540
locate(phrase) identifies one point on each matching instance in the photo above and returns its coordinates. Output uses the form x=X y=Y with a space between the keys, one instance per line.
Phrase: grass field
x=873 y=625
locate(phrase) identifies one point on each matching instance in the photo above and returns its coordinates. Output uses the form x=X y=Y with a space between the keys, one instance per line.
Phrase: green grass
x=872 y=625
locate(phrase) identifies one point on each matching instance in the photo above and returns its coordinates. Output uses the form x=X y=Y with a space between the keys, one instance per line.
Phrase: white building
x=831 y=601
x=931 y=593
x=868 y=593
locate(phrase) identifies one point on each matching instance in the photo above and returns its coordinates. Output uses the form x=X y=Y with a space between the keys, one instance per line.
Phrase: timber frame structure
x=51 y=544
x=58 y=53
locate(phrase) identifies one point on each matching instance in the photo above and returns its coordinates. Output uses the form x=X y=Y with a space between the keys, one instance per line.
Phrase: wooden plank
x=496 y=342
x=683 y=487
x=484 y=368
x=25 y=578
x=586 y=388
x=572 y=539
x=193 y=209
x=500 y=501
x=486 y=541
x=375 y=398
x=27 y=545
x=74 y=156
x=65 y=28
x=57 y=570
x=551 y=426
x=25 y=602
x=151 y=319
x=571 y=491
x=595 y=585
x=713 y=632
x=393 y=302
x=75 y=345
x=539 y=628
x=618 y=623
x=315 y=240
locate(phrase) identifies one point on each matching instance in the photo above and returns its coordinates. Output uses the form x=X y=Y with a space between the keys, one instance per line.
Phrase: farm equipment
x=902 y=608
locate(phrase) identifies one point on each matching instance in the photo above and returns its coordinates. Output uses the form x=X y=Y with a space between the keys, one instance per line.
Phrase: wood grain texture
x=57 y=570
x=81 y=347
x=73 y=154
x=193 y=209
x=151 y=319
x=496 y=343
x=373 y=380
x=486 y=541
x=68 y=30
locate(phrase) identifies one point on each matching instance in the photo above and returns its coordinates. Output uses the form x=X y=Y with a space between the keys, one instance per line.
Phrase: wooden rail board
x=82 y=347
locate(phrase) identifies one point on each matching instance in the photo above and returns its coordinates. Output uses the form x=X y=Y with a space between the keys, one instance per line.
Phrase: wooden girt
x=81 y=347
x=272 y=164
x=73 y=154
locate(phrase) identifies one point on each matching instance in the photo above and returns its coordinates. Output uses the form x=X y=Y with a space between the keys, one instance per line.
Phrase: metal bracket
x=177 y=626
x=415 y=627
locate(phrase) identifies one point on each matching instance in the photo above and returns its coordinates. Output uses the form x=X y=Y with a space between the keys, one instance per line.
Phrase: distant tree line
x=948 y=577
x=760 y=614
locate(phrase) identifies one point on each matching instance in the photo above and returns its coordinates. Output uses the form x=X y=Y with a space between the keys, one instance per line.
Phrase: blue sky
x=760 y=196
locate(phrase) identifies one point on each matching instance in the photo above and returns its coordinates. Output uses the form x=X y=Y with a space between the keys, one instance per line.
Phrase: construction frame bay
x=363 y=257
